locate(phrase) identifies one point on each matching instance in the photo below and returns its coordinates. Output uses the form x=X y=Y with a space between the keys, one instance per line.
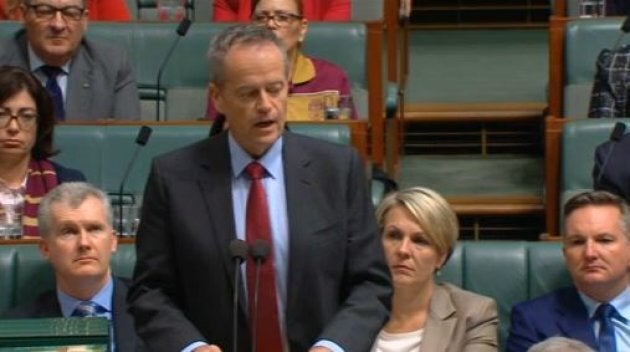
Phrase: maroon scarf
x=40 y=180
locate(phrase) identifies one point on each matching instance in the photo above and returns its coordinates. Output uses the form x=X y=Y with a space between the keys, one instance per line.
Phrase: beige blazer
x=460 y=321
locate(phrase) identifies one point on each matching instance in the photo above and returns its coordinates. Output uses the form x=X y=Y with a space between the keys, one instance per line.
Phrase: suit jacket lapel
x=440 y=323
x=302 y=208
x=573 y=318
x=215 y=184
x=79 y=91
x=124 y=330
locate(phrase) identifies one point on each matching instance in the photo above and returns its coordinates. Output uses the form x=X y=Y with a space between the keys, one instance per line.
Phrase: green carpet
x=507 y=65
x=463 y=175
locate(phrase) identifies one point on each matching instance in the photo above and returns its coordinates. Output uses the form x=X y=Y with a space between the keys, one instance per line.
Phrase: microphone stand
x=141 y=141
x=238 y=250
x=182 y=29
x=259 y=251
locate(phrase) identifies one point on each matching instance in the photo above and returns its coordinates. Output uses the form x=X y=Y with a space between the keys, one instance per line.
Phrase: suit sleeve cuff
x=330 y=345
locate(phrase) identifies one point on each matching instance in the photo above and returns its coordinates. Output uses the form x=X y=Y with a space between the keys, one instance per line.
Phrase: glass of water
x=11 y=221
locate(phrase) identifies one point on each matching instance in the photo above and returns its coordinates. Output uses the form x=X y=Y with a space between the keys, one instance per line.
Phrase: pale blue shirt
x=103 y=298
x=36 y=63
x=622 y=305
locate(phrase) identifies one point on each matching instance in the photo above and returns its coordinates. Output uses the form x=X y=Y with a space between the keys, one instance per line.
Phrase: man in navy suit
x=597 y=253
x=75 y=223
x=331 y=279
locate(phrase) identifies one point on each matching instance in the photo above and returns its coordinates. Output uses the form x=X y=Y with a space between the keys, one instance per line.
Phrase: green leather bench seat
x=509 y=271
x=584 y=39
x=103 y=151
x=580 y=138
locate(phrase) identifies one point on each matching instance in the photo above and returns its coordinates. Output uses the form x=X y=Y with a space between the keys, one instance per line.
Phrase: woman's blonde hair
x=430 y=210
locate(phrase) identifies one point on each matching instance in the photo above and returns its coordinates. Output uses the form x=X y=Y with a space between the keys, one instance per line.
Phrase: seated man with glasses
x=99 y=10
x=87 y=80
x=318 y=89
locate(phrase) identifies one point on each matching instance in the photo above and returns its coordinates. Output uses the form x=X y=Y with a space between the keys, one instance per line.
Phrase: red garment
x=314 y=10
x=40 y=180
x=99 y=10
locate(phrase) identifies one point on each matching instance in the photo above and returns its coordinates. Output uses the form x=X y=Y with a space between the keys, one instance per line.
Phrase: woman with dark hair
x=26 y=143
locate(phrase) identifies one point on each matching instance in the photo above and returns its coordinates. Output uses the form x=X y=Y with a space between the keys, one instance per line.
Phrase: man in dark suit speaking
x=87 y=79
x=75 y=223
x=324 y=285
x=596 y=310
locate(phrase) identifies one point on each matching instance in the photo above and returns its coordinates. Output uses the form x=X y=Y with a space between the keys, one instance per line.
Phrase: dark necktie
x=87 y=309
x=52 y=72
x=257 y=227
x=604 y=314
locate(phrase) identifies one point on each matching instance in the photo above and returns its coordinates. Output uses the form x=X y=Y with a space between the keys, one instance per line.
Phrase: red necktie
x=257 y=227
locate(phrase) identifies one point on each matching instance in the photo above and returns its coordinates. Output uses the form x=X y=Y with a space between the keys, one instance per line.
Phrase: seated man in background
x=314 y=10
x=98 y=10
x=75 y=221
x=597 y=308
x=86 y=79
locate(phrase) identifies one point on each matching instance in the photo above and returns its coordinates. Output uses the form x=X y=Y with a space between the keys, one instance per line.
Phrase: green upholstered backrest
x=508 y=271
x=25 y=274
x=148 y=43
x=584 y=39
x=342 y=43
x=103 y=151
x=579 y=140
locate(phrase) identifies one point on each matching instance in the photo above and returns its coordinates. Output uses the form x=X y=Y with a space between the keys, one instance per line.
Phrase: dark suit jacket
x=47 y=306
x=66 y=174
x=101 y=83
x=617 y=8
x=560 y=313
x=616 y=174
x=338 y=283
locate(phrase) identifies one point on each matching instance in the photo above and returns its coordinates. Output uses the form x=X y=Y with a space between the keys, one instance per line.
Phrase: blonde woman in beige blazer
x=418 y=231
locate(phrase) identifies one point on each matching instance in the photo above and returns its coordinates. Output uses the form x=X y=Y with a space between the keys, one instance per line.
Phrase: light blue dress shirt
x=622 y=328
x=103 y=298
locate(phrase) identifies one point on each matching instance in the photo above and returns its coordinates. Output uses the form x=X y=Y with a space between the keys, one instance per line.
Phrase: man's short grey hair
x=72 y=194
x=245 y=34
x=599 y=198
x=560 y=344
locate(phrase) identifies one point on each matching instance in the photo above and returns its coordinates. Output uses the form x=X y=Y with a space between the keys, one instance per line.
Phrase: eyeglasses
x=279 y=18
x=48 y=12
x=26 y=118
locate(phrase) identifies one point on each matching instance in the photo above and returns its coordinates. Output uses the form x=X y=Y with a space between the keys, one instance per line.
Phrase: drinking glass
x=170 y=10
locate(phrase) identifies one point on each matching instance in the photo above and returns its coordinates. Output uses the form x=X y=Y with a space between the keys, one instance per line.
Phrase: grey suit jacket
x=459 y=321
x=47 y=306
x=338 y=284
x=101 y=82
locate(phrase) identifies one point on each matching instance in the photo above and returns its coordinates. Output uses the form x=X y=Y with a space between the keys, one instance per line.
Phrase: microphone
x=141 y=141
x=615 y=136
x=181 y=31
x=259 y=252
x=238 y=251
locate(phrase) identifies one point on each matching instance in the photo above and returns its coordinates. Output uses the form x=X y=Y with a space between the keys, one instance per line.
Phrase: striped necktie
x=52 y=86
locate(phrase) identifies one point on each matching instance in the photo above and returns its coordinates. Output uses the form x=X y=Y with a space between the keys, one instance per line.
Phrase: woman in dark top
x=26 y=143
